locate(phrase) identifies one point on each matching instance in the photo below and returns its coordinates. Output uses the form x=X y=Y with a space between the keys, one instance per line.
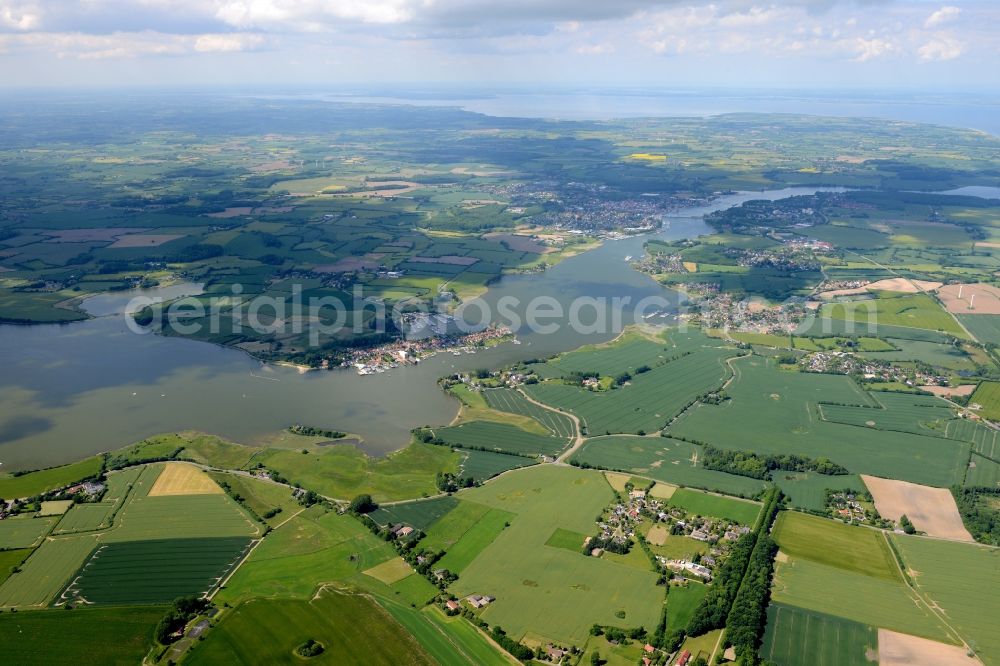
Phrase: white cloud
x=940 y=48
x=18 y=17
x=944 y=15
x=595 y=49
x=869 y=49
x=227 y=43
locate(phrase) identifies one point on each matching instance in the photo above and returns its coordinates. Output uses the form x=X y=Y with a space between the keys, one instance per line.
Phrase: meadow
x=858 y=549
x=500 y=437
x=681 y=602
x=552 y=592
x=113 y=636
x=648 y=401
x=343 y=471
x=475 y=540
x=86 y=518
x=807 y=490
x=799 y=637
x=836 y=591
x=352 y=628
x=483 y=465
x=313 y=548
x=913 y=310
x=421 y=514
x=662 y=459
x=964 y=581
x=24 y=532
x=985 y=328
x=716 y=506
x=155 y=572
x=624 y=354
x=902 y=412
x=450 y=528
x=33 y=483
x=46 y=572
x=181 y=517
x=261 y=496
x=450 y=641
x=511 y=400
x=987 y=394
x=773 y=411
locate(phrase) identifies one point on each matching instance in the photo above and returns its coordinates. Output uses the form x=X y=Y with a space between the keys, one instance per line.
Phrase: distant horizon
x=920 y=44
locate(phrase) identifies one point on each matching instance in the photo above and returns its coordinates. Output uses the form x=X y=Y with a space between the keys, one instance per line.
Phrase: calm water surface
x=70 y=390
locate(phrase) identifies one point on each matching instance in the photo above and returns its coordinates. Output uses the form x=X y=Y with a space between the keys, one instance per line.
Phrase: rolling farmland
x=705 y=504
x=964 y=581
x=553 y=592
x=662 y=459
x=510 y=400
x=500 y=437
x=648 y=402
x=483 y=465
x=352 y=628
x=835 y=544
x=776 y=412
x=799 y=637
x=155 y=572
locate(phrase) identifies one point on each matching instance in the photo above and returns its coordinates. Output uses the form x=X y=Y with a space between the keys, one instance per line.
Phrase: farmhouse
x=479 y=601
x=453 y=605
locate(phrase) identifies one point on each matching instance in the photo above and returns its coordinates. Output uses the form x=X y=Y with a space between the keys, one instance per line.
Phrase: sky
x=727 y=43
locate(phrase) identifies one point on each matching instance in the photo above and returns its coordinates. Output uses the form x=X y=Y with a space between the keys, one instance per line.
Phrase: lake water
x=70 y=390
x=975 y=110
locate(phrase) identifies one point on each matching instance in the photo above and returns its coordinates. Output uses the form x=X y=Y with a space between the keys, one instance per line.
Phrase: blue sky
x=798 y=43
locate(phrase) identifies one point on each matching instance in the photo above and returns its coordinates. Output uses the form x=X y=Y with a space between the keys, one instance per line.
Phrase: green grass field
x=626 y=353
x=261 y=496
x=705 y=504
x=566 y=539
x=799 y=637
x=115 y=636
x=501 y=437
x=181 y=517
x=34 y=483
x=155 y=572
x=807 y=490
x=662 y=459
x=10 y=559
x=510 y=400
x=835 y=544
x=344 y=471
x=902 y=412
x=420 y=514
x=648 y=402
x=836 y=591
x=86 y=518
x=46 y=572
x=985 y=328
x=483 y=465
x=451 y=641
x=914 y=310
x=773 y=411
x=681 y=602
x=983 y=473
x=24 y=532
x=987 y=394
x=964 y=581
x=312 y=548
x=352 y=628
x=475 y=540
x=450 y=528
x=553 y=592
